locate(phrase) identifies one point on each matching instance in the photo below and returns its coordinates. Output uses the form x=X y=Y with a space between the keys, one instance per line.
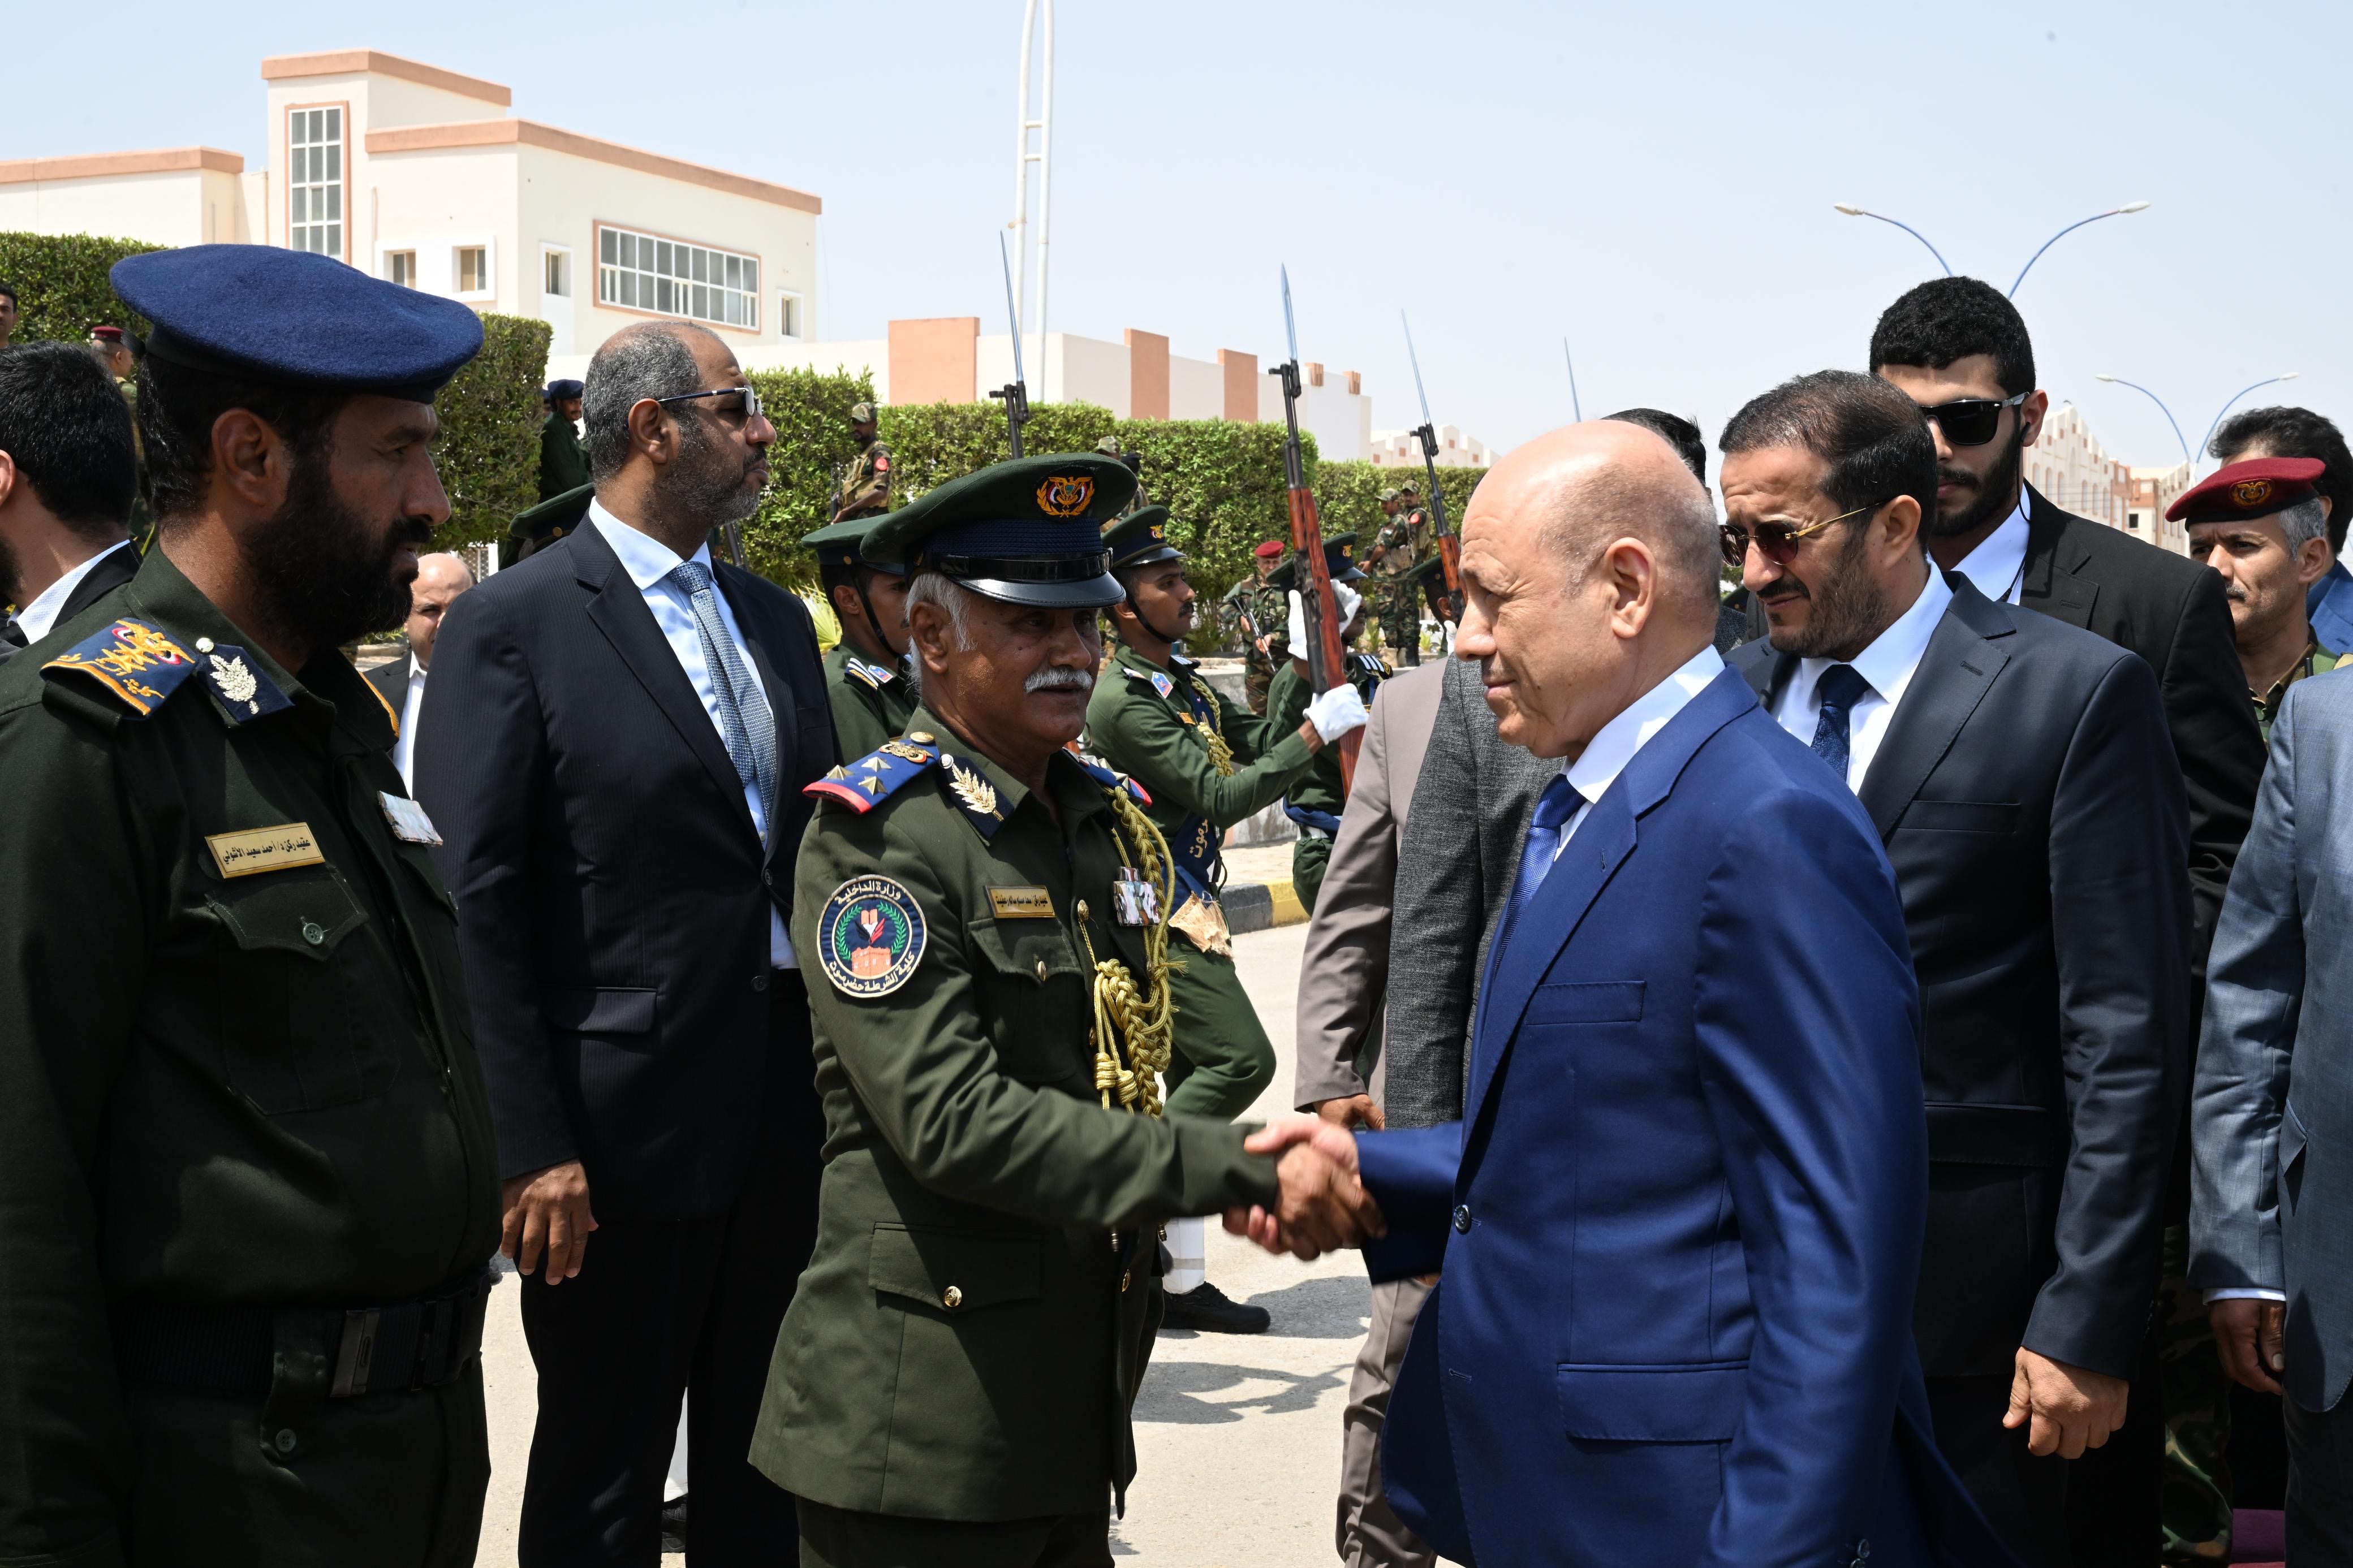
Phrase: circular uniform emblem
x=870 y=937
x=2252 y=492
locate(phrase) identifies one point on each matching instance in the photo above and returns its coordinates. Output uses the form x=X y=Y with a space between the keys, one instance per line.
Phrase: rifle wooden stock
x=1327 y=661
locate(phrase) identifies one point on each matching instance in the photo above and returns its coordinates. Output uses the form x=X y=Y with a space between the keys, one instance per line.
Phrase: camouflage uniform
x=866 y=487
x=1394 y=598
x=1269 y=608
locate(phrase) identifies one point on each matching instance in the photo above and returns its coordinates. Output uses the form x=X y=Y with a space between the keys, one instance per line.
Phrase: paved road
x=1238 y=1437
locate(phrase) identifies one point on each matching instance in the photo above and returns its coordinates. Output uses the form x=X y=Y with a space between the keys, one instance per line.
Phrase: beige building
x=2154 y=490
x=423 y=176
x=1394 y=448
x=2071 y=468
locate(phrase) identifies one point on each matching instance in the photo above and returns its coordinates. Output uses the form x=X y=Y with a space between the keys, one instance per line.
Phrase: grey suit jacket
x=2271 y=1109
x=1457 y=858
x=390 y=680
x=1345 y=969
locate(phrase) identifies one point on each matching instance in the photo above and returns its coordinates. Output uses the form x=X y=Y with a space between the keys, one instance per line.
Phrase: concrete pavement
x=1238 y=1436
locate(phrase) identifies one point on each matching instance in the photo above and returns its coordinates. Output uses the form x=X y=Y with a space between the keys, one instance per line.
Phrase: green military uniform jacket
x=866 y=487
x=1152 y=724
x=562 y=464
x=234 y=1072
x=1320 y=794
x=969 y=1335
x=870 y=701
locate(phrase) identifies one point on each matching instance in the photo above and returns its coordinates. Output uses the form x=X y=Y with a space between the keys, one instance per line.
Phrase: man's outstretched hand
x=1322 y=1206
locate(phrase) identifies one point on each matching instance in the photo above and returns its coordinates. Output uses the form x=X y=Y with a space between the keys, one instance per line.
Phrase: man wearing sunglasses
x=1955 y=345
x=2019 y=776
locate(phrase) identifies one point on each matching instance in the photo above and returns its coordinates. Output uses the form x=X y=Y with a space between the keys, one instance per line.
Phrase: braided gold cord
x=1145 y=1020
x=1213 y=733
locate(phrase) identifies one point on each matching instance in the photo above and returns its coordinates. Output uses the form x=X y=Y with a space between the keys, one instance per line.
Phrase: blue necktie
x=1840 y=688
x=744 y=721
x=1558 y=803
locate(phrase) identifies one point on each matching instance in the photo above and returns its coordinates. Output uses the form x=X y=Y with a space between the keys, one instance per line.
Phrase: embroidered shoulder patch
x=243 y=690
x=135 y=662
x=874 y=778
x=1110 y=780
x=856 y=670
x=870 y=937
x=1161 y=683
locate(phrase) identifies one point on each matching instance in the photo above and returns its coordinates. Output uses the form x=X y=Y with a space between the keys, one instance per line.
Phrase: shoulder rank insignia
x=1135 y=674
x=874 y=778
x=242 y=688
x=1161 y=683
x=873 y=675
x=973 y=792
x=134 y=661
x=1110 y=780
x=870 y=936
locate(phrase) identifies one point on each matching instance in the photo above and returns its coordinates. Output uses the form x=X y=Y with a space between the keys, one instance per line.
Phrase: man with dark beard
x=1960 y=350
x=619 y=736
x=247 y=1198
x=2019 y=777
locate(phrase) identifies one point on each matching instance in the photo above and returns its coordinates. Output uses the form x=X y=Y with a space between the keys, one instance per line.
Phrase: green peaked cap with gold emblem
x=1028 y=531
x=1141 y=538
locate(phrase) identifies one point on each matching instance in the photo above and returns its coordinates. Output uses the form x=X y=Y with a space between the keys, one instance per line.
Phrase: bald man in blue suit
x=1680 y=1223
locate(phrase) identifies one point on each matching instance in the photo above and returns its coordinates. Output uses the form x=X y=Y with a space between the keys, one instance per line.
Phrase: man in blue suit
x=1680 y=1223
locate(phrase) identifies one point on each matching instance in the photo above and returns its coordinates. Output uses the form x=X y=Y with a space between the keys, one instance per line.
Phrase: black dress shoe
x=674 y=1524
x=1207 y=1309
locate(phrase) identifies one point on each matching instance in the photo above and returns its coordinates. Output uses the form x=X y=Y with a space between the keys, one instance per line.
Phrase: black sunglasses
x=1971 y=421
x=1776 y=541
x=750 y=404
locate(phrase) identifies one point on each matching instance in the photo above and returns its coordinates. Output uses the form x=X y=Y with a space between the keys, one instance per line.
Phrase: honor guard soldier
x=1207 y=765
x=1395 y=602
x=988 y=919
x=537 y=527
x=249 y=1193
x=562 y=464
x=866 y=671
x=866 y=485
x=1316 y=802
x=1257 y=610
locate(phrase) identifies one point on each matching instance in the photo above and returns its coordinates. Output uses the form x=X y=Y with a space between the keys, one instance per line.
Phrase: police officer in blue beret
x=248 y=1188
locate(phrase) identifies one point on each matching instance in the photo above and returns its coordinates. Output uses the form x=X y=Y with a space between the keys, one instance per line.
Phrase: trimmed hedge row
x=489 y=450
x=61 y=287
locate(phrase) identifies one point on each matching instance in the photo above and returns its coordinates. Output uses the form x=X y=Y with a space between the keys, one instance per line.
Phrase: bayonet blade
x=1290 y=329
x=1574 y=406
x=1419 y=390
x=1012 y=309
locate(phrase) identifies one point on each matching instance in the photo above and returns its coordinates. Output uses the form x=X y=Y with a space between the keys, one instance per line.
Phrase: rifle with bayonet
x=1449 y=549
x=1327 y=663
x=1015 y=396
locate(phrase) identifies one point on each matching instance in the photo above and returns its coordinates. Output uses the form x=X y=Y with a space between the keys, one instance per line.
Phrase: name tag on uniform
x=409 y=823
x=1022 y=903
x=256 y=850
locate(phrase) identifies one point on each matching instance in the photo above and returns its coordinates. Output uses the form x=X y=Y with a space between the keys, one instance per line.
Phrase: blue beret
x=556 y=389
x=257 y=312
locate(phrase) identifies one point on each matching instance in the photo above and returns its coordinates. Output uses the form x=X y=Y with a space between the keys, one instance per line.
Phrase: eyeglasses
x=1776 y=541
x=751 y=399
x=1971 y=421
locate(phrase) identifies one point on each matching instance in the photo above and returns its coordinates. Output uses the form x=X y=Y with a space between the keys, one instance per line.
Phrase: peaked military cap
x=2256 y=488
x=1339 y=559
x=554 y=517
x=841 y=544
x=556 y=389
x=1141 y=538
x=1027 y=531
x=296 y=317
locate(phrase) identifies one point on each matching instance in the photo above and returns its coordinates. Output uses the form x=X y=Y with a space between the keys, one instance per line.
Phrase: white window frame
x=303 y=191
x=665 y=285
x=384 y=259
x=490 y=249
x=571 y=270
x=792 y=314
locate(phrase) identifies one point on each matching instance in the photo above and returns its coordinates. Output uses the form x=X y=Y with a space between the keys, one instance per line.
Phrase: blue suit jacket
x=1681 y=1222
x=2330 y=603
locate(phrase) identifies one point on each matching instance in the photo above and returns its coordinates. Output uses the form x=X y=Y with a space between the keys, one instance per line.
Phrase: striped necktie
x=744 y=721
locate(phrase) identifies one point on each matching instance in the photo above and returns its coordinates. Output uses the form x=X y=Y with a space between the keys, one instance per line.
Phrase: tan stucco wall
x=935 y=360
x=166 y=207
x=1148 y=374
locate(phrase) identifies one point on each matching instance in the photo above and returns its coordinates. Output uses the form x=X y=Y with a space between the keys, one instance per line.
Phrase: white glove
x=1337 y=712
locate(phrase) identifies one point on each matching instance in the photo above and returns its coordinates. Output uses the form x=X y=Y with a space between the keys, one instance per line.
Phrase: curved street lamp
x=2202 y=446
x=1853 y=210
x=2186 y=456
x=2153 y=398
x=2112 y=212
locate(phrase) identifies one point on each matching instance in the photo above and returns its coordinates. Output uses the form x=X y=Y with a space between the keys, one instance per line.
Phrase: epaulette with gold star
x=879 y=773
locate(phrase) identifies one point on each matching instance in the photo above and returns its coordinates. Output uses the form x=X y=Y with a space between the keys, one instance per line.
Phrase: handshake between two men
x=1323 y=1205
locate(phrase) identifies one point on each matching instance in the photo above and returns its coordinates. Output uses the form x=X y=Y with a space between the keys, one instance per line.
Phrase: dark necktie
x=1840 y=688
x=744 y=722
x=1558 y=803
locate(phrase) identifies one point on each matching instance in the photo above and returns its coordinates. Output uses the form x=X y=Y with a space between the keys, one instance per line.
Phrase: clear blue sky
x=1655 y=182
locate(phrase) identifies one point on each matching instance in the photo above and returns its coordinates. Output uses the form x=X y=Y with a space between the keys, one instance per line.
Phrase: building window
x=558 y=281
x=314 y=180
x=400 y=267
x=789 y=314
x=2132 y=520
x=474 y=269
x=672 y=278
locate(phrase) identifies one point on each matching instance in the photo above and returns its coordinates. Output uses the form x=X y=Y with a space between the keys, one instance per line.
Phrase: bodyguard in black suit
x=2019 y=776
x=614 y=723
x=69 y=474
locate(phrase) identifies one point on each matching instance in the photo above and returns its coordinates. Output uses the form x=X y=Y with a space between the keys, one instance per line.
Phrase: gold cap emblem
x=1066 y=495
x=2251 y=492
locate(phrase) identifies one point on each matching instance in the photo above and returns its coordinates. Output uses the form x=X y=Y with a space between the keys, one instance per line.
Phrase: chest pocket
x=291 y=1038
x=1038 y=995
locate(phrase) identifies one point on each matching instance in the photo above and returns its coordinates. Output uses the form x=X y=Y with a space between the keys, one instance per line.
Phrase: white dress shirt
x=1614 y=744
x=404 y=747
x=1997 y=567
x=36 y=619
x=650 y=562
x=1886 y=666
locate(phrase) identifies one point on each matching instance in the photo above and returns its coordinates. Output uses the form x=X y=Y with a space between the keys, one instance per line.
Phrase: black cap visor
x=1051 y=582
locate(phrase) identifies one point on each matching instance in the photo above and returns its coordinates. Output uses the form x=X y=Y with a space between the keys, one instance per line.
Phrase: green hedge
x=61 y=287
x=491 y=418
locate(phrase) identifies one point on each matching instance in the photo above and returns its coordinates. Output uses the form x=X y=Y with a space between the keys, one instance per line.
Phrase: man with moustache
x=2262 y=526
x=248 y=1197
x=2284 y=430
x=1959 y=349
x=69 y=474
x=615 y=749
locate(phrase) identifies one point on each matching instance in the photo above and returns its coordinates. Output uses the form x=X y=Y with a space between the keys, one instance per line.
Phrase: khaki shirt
x=866 y=487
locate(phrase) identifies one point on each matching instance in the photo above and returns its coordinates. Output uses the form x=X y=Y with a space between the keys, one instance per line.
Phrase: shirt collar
x=1995 y=567
x=1614 y=744
x=38 y=619
x=1888 y=663
x=646 y=559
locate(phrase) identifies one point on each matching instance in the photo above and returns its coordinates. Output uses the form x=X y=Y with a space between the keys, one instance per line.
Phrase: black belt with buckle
x=231 y=1351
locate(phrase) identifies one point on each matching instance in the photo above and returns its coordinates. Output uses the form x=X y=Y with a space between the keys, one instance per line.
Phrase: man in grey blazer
x=2271 y=1112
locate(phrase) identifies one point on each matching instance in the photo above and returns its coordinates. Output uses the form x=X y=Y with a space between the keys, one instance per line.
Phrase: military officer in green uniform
x=987 y=919
x=865 y=672
x=866 y=483
x=1109 y=447
x=1207 y=765
x=1256 y=609
x=1317 y=801
x=249 y=1189
x=563 y=462
x=1396 y=603
x=535 y=527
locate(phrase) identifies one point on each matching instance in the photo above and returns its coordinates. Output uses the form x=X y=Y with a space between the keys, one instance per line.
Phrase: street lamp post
x=2112 y=212
x=1853 y=210
x=1575 y=407
x=2202 y=446
x=2153 y=398
x=2189 y=456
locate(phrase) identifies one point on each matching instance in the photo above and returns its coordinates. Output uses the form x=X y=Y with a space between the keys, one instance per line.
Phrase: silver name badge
x=409 y=823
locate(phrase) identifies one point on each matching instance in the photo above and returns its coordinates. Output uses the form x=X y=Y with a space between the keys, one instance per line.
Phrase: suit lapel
x=1964 y=657
x=2049 y=583
x=618 y=609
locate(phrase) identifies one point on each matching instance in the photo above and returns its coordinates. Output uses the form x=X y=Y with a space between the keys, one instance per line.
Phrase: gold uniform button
x=1041 y=972
x=952 y=1297
x=1126 y=1279
x=1082 y=908
x=921 y=738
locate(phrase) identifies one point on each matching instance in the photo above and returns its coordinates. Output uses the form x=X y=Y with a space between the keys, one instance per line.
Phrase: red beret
x=1269 y=549
x=110 y=335
x=2256 y=488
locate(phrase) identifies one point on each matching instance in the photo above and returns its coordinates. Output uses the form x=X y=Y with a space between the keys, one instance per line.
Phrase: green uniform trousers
x=1258 y=674
x=836 y=1538
x=1308 y=859
x=2195 y=1495
x=1223 y=1057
